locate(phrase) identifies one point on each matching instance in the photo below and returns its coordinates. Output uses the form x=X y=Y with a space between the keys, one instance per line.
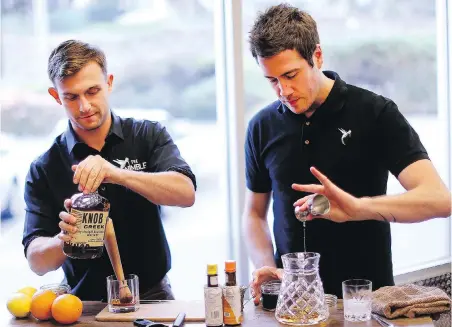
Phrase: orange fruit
x=41 y=304
x=67 y=308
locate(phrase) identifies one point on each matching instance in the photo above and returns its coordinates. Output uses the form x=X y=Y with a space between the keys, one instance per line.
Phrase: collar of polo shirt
x=114 y=132
x=332 y=105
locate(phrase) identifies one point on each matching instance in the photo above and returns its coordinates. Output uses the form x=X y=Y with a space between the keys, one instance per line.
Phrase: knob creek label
x=90 y=228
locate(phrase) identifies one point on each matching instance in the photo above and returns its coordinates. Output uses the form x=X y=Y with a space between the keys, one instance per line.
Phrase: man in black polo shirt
x=134 y=164
x=352 y=137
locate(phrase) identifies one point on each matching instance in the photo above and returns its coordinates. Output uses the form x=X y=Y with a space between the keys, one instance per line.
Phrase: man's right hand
x=262 y=275
x=67 y=223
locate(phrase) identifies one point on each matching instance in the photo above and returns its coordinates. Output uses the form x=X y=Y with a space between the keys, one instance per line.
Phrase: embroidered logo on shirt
x=122 y=163
x=345 y=134
x=130 y=164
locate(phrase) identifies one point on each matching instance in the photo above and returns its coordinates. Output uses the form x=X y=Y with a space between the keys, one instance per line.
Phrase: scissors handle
x=381 y=321
x=147 y=323
x=179 y=320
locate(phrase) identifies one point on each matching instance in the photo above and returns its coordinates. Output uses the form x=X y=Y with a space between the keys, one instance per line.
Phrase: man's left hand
x=260 y=276
x=344 y=206
x=93 y=171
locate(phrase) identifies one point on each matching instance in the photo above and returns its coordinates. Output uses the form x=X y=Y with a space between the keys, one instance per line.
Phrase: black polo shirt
x=355 y=137
x=130 y=144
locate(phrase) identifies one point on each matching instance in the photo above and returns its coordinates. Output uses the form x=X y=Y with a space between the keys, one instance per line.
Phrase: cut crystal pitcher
x=301 y=300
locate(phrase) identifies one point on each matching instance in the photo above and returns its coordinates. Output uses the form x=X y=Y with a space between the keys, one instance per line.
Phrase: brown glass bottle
x=212 y=275
x=232 y=303
x=91 y=211
x=213 y=298
x=230 y=273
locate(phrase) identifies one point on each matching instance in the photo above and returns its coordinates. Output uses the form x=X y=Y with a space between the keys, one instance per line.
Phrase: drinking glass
x=113 y=290
x=357 y=297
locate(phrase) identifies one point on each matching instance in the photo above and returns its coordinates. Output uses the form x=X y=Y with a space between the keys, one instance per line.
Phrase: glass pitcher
x=301 y=299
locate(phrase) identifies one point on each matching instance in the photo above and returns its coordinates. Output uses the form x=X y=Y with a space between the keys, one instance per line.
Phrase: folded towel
x=409 y=300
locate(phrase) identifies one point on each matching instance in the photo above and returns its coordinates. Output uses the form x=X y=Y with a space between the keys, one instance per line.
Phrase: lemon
x=27 y=290
x=19 y=305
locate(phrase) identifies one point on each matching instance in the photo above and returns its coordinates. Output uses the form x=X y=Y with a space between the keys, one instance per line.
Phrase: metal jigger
x=318 y=204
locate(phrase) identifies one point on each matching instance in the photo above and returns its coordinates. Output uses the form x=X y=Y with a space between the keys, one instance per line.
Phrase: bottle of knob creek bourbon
x=91 y=211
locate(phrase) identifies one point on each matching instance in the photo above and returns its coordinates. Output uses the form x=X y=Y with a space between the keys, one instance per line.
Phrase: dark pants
x=160 y=291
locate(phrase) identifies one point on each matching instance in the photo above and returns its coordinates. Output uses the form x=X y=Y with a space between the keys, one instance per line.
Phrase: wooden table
x=254 y=317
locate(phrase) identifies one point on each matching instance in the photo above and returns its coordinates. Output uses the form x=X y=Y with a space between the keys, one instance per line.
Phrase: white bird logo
x=345 y=134
x=122 y=163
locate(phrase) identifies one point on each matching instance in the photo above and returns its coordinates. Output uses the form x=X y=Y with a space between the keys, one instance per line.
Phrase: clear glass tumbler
x=114 y=290
x=357 y=297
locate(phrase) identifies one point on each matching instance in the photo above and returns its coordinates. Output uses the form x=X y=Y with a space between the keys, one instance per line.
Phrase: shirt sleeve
x=401 y=145
x=257 y=175
x=41 y=217
x=165 y=156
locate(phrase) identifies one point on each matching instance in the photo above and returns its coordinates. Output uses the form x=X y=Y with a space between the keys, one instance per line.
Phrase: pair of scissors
x=179 y=322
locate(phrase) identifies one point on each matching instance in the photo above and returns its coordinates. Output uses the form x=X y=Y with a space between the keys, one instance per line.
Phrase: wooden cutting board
x=160 y=312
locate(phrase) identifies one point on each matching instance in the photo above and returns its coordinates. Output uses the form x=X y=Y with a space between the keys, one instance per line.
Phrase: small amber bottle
x=213 y=298
x=91 y=211
x=230 y=273
x=212 y=275
x=232 y=302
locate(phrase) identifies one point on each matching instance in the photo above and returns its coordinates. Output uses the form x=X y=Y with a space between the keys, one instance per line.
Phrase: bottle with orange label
x=232 y=304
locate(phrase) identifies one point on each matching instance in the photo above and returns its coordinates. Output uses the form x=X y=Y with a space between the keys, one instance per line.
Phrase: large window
x=163 y=71
x=388 y=47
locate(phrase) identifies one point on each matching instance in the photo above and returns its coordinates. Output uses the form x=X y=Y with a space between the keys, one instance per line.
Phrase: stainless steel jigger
x=318 y=204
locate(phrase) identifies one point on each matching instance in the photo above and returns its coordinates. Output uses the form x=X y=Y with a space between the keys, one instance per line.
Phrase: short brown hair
x=284 y=27
x=70 y=56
